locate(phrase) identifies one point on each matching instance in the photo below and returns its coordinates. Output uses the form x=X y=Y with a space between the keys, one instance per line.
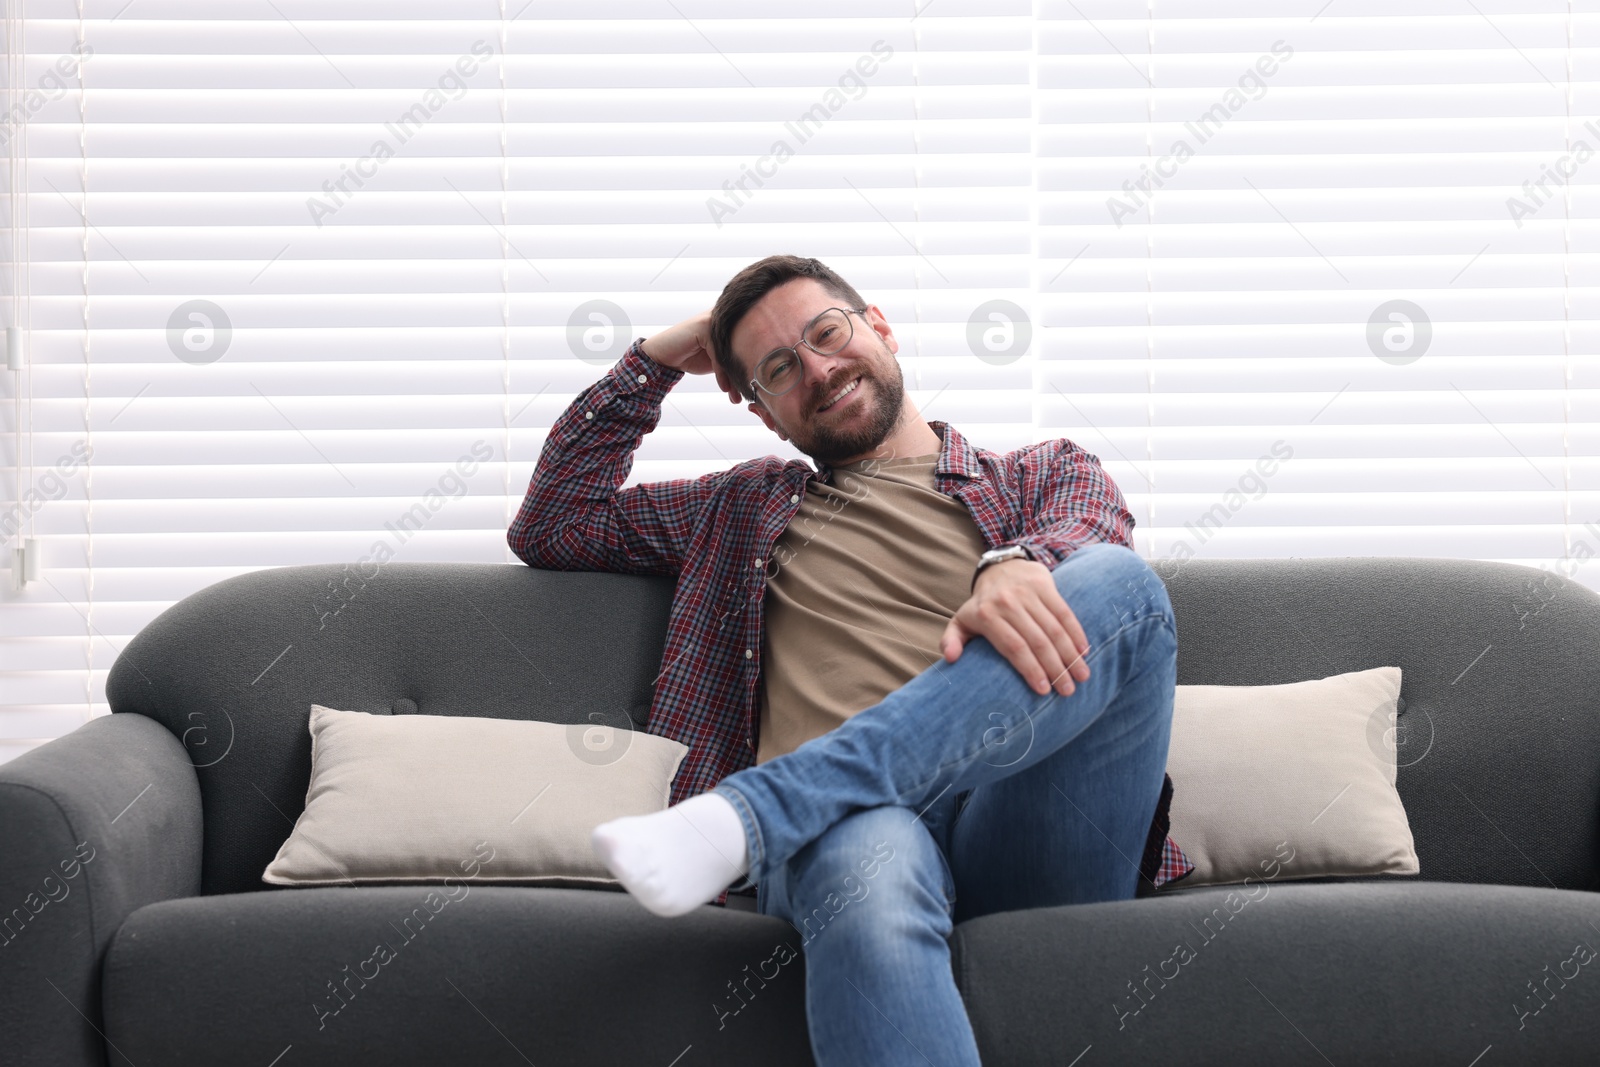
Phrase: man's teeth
x=840 y=395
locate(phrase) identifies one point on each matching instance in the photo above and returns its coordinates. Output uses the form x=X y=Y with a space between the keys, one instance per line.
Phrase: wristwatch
x=999 y=555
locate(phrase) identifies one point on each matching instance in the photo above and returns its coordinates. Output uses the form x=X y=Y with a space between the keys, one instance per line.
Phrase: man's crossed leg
x=948 y=731
x=876 y=896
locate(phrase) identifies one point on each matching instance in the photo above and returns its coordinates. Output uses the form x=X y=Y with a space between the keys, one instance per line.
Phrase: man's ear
x=886 y=334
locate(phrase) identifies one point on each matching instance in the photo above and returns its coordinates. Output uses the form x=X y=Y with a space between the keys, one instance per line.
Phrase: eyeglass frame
x=755 y=382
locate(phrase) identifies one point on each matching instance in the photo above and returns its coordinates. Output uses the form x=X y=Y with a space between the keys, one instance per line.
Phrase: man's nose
x=819 y=369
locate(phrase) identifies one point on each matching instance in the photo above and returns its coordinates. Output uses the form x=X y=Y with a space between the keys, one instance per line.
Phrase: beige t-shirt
x=859 y=589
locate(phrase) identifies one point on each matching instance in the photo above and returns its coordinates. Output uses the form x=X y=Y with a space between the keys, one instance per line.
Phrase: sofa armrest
x=93 y=825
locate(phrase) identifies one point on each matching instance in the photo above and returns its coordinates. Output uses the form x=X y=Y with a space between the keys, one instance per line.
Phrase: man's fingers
x=1026 y=648
x=1074 y=629
x=1072 y=641
x=952 y=643
x=1018 y=653
x=1074 y=666
x=1032 y=626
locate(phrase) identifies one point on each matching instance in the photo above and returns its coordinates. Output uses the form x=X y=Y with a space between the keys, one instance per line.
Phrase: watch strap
x=994 y=555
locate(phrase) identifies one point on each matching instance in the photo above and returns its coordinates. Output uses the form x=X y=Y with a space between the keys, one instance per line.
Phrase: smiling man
x=852 y=405
x=923 y=679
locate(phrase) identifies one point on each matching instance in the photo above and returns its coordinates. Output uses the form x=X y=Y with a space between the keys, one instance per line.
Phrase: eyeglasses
x=779 y=370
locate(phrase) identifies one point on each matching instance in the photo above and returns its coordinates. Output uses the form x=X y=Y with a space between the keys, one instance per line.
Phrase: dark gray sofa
x=163 y=947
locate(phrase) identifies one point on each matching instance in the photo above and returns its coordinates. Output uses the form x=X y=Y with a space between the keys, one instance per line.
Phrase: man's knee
x=1117 y=574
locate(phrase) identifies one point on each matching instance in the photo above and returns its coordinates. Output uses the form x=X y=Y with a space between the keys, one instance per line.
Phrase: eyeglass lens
x=827 y=334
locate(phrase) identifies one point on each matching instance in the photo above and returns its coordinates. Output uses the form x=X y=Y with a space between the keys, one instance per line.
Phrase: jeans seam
x=1160 y=617
x=950 y=882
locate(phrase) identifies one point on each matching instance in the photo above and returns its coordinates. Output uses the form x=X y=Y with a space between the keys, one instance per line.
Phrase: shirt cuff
x=1039 y=553
x=634 y=362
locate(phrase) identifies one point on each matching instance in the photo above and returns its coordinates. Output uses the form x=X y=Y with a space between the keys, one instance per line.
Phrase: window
x=1309 y=284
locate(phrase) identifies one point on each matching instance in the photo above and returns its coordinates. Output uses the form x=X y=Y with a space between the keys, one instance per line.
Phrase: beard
x=830 y=445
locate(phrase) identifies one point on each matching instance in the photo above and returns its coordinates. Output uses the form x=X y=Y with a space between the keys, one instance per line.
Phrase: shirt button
x=748 y=653
x=588 y=414
x=642 y=379
x=794 y=499
x=758 y=561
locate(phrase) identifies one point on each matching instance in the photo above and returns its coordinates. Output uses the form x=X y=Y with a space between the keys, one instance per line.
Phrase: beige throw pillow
x=421 y=798
x=1289 y=781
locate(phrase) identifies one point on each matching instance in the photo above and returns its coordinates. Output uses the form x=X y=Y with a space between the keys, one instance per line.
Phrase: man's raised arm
x=574 y=516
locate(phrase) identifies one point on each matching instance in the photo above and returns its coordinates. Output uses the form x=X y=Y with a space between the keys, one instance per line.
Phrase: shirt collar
x=956 y=456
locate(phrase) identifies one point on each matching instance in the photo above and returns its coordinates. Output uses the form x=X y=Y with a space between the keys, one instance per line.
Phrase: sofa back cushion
x=1498 y=741
x=1498 y=737
x=234 y=669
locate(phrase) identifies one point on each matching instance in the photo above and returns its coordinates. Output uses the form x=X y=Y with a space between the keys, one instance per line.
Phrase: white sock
x=673 y=861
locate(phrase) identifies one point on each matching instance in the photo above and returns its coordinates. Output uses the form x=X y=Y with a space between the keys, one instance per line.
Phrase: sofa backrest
x=1499 y=737
x=233 y=670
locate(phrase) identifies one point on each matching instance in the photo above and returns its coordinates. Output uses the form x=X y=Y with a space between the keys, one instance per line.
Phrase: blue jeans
x=962 y=785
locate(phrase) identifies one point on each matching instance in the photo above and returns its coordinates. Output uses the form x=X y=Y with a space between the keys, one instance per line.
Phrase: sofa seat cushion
x=1404 y=973
x=501 y=975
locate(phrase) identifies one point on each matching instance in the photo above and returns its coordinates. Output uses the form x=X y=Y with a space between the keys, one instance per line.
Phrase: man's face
x=852 y=426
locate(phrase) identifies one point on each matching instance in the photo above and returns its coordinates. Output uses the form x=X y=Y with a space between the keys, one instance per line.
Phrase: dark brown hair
x=747 y=287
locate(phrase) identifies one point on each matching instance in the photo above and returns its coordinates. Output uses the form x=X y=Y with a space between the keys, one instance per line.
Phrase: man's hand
x=1017 y=607
x=687 y=346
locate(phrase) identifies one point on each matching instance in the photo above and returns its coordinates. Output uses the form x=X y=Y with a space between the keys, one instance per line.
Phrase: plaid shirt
x=715 y=534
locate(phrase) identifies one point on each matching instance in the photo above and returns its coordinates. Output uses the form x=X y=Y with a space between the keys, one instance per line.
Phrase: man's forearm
x=570 y=519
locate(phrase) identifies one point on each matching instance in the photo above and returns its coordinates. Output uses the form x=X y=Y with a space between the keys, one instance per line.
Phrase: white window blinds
x=1306 y=303
x=286 y=272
